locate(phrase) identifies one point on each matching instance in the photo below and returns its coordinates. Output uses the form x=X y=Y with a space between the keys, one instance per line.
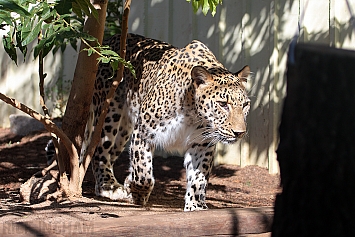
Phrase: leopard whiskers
x=205 y=133
x=214 y=141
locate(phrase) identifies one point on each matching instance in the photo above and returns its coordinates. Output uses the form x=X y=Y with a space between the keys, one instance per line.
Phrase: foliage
x=113 y=18
x=205 y=5
x=52 y=24
x=111 y=57
x=57 y=23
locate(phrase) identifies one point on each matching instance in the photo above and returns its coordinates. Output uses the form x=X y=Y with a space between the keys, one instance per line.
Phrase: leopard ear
x=243 y=73
x=200 y=76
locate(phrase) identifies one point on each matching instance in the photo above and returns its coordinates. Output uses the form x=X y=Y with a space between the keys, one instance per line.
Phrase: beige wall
x=252 y=32
x=256 y=33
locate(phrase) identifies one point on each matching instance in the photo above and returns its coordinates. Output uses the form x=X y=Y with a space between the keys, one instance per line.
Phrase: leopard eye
x=224 y=105
x=246 y=104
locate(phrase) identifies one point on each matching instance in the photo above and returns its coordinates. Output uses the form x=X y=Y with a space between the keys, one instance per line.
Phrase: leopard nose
x=238 y=134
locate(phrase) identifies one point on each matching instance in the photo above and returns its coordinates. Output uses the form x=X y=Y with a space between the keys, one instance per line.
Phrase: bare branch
x=96 y=134
x=48 y=124
x=42 y=76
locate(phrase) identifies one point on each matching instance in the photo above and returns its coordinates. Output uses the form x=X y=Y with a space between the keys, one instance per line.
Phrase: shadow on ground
x=229 y=186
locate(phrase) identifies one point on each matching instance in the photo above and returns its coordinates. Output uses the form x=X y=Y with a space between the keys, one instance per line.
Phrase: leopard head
x=222 y=102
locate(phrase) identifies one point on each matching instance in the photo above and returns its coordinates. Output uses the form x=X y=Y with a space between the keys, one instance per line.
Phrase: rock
x=24 y=124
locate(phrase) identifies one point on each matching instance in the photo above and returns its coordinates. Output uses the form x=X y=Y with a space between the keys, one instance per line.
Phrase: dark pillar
x=317 y=145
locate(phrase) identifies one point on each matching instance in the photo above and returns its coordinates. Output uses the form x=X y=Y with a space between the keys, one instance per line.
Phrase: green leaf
x=90 y=51
x=73 y=43
x=213 y=5
x=104 y=59
x=22 y=48
x=77 y=10
x=46 y=44
x=47 y=48
x=45 y=11
x=86 y=36
x=194 y=5
x=26 y=27
x=131 y=68
x=109 y=52
x=33 y=34
x=10 y=48
x=205 y=5
x=83 y=6
x=114 y=65
x=63 y=6
x=61 y=17
x=86 y=7
x=94 y=12
x=5 y=17
x=12 y=6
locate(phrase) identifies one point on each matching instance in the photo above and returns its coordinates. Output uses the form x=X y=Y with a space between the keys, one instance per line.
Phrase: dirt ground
x=21 y=157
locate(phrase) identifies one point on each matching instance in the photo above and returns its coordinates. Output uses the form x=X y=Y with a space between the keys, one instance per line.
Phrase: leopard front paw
x=139 y=192
x=195 y=206
x=140 y=198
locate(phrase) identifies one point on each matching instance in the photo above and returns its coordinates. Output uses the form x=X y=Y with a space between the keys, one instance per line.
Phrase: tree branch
x=96 y=134
x=48 y=124
x=42 y=76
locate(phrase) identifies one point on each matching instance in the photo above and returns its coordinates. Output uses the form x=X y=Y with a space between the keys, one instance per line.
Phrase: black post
x=317 y=145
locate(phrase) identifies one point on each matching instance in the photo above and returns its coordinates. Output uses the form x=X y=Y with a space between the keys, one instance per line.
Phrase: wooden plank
x=180 y=29
x=315 y=27
x=342 y=23
x=285 y=26
x=137 y=15
x=157 y=19
x=256 y=37
x=231 y=55
x=205 y=29
x=274 y=100
x=231 y=30
x=203 y=223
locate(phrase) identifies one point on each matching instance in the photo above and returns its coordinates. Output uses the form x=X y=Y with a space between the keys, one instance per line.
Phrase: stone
x=23 y=124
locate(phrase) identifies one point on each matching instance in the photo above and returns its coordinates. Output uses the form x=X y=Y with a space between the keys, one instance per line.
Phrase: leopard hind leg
x=115 y=134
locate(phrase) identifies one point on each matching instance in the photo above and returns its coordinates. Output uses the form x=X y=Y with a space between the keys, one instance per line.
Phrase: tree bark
x=80 y=97
x=97 y=132
x=316 y=152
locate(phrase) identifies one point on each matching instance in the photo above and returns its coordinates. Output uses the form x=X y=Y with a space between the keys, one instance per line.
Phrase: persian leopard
x=181 y=100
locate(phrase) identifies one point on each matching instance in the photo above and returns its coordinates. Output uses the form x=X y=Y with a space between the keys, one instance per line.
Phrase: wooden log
x=317 y=145
x=230 y=222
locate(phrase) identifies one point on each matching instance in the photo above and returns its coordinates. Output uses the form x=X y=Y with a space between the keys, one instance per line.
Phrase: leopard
x=180 y=100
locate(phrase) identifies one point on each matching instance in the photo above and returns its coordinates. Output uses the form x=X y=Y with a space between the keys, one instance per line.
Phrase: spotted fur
x=181 y=100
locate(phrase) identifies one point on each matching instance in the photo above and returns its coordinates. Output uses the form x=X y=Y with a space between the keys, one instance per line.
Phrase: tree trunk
x=97 y=132
x=80 y=97
x=216 y=222
x=316 y=151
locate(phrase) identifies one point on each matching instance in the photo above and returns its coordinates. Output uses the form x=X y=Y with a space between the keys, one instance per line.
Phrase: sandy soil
x=21 y=157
